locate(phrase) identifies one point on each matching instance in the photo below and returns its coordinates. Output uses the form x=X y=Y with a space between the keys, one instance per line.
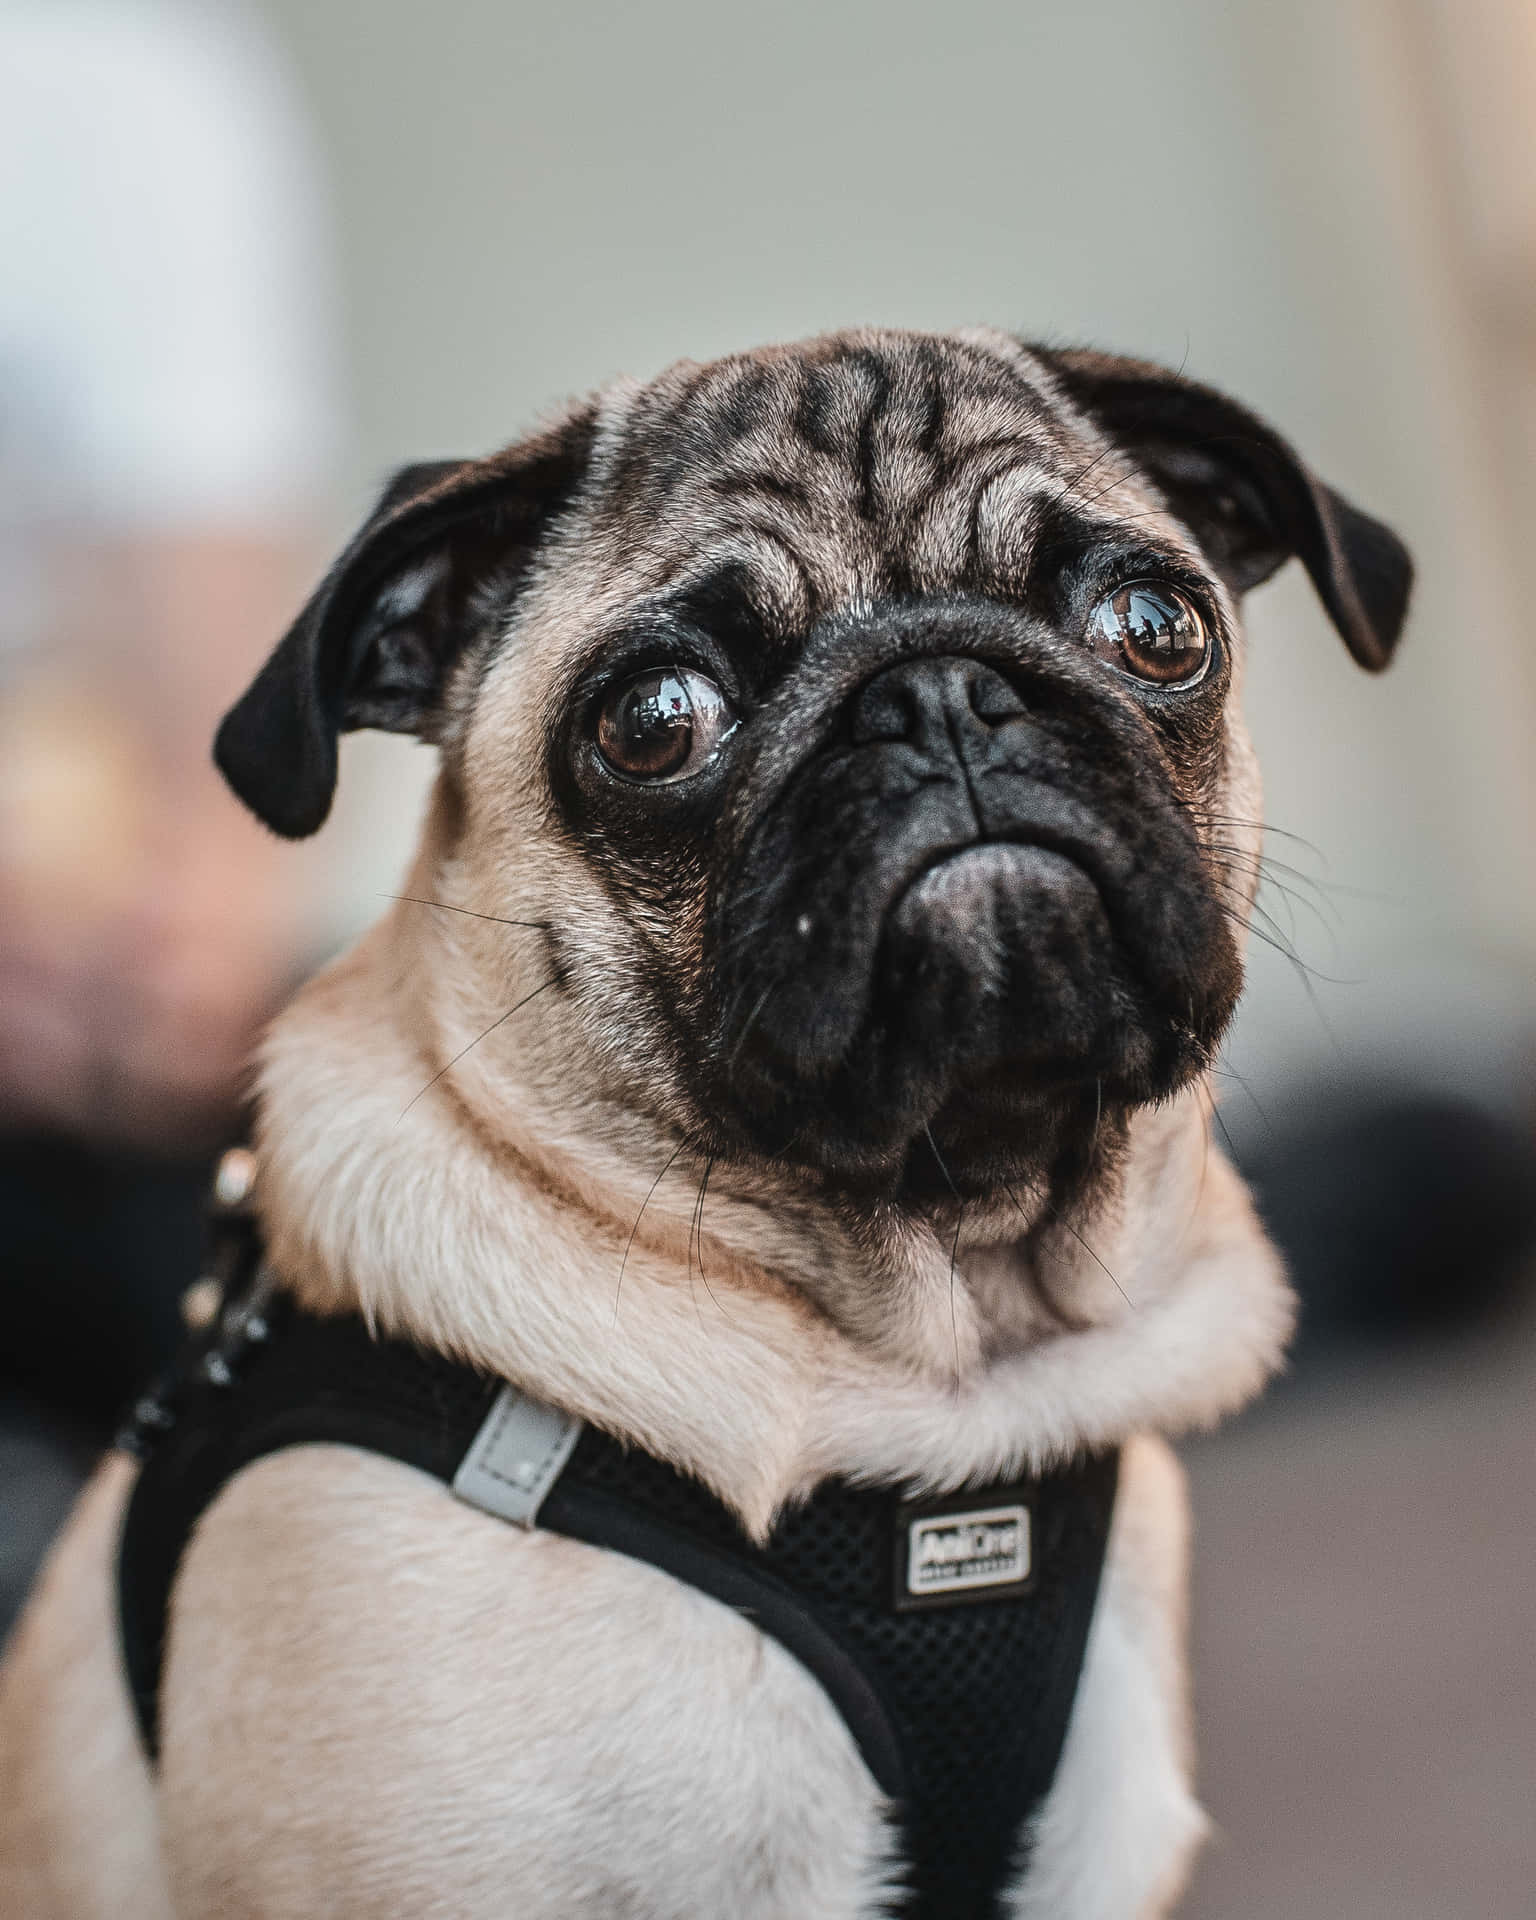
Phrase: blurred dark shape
x=1404 y=1218
x=44 y=1457
x=101 y=1244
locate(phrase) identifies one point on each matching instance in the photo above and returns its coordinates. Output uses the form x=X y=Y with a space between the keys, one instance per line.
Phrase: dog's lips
x=955 y=884
x=976 y=911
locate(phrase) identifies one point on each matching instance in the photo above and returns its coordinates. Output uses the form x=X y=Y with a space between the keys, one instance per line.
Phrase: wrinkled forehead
x=849 y=468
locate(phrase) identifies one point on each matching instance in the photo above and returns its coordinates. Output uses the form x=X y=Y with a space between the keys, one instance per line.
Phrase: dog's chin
x=999 y=1030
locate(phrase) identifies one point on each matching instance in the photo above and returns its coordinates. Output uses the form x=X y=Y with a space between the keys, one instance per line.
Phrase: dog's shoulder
x=364 y=1689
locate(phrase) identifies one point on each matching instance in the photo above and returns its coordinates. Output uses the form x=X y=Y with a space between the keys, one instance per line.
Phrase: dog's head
x=856 y=724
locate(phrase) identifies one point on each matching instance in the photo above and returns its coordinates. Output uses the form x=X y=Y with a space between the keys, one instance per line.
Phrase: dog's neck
x=758 y=1342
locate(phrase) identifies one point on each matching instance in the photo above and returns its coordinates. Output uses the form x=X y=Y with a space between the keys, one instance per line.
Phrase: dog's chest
x=947 y=1635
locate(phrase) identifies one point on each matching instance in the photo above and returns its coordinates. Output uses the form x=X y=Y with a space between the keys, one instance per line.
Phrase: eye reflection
x=1151 y=630
x=663 y=725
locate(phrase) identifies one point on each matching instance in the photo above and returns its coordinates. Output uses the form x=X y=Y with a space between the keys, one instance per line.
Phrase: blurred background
x=251 y=258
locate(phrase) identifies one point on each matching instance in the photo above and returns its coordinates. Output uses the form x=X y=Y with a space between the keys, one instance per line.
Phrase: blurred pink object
x=168 y=427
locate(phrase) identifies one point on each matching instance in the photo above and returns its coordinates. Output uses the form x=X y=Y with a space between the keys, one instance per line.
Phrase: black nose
x=933 y=703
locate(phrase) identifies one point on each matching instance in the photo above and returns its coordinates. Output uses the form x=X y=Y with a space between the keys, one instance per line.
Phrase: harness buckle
x=516 y=1457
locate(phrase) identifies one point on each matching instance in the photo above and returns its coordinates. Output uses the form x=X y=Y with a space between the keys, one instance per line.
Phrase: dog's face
x=857 y=723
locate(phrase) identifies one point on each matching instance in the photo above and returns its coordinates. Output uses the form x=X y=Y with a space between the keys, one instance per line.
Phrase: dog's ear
x=377 y=642
x=1245 y=494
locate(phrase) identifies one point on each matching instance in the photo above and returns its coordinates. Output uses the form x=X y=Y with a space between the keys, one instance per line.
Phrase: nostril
x=918 y=700
x=992 y=698
x=886 y=709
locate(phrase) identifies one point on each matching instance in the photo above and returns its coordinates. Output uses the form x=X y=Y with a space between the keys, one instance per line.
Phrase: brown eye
x=1151 y=630
x=663 y=725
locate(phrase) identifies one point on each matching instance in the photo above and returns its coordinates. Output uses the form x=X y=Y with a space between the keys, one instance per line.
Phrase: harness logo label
x=959 y=1552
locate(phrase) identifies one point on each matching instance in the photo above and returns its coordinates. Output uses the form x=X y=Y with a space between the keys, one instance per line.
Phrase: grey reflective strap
x=516 y=1457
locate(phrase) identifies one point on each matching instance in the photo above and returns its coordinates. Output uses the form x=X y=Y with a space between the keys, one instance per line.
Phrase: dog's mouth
x=1011 y=1074
x=968 y=870
x=967 y=889
x=959 y=925
x=997 y=997
x=1000 y=945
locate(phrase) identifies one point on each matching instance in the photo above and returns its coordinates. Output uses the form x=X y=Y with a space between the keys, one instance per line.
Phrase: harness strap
x=948 y=1634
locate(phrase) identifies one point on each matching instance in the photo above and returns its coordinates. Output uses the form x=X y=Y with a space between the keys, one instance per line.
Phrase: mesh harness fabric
x=960 y=1708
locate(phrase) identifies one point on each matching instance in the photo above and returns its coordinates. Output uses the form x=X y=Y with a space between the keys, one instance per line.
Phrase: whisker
x=649 y=1196
x=1271 y=934
x=1322 y=909
x=1062 y=1221
x=1267 y=922
x=1118 y=481
x=802 y=865
x=1323 y=912
x=1070 y=485
x=1268 y=860
x=743 y=935
x=741 y=1038
x=1267 y=828
x=693 y=1227
x=1231 y=1073
x=954 y=1325
x=447 y=906
x=1263 y=871
x=1205 y=1152
x=474 y=1043
x=954 y=1250
x=1225 y=1132
x=709 y=1167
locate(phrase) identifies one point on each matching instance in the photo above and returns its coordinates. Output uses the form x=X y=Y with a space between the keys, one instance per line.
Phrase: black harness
x=948 y=1633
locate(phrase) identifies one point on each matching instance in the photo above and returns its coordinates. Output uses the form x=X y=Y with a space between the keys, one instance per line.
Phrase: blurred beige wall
x=531 y=199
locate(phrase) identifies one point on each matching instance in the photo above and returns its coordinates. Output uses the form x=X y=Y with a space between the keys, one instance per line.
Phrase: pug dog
x=790 y=1054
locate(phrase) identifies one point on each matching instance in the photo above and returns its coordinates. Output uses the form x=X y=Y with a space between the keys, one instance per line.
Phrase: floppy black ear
x=1245 y=494
x=376 y=643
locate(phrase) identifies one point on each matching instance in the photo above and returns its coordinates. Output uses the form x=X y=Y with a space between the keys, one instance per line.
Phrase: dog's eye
x=1152 y=630
x=663 y=725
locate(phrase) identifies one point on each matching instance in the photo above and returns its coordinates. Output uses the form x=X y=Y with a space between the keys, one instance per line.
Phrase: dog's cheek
x=1215 y=778
x=623 y=906
x=628 y=945
x=1229 y=820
